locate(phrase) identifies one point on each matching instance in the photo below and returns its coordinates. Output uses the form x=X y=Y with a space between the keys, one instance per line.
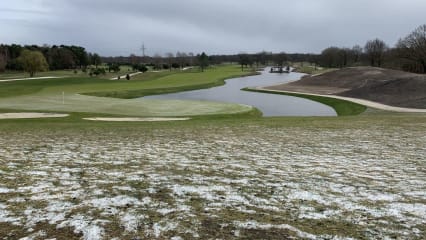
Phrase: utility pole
x=143 y=48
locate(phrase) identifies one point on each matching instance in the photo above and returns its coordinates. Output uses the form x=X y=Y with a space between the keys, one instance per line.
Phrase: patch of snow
x=5 y=190
x=131 y=221
x=5 y=215
x=383 y=197
x=307 y=196
x=416 y=209
x=124 y=188
x=207 y=192
x=256 y=225
x=159 y=228
x=165 y=211
x=82 y=225
x=118 y=201
x=176 y=238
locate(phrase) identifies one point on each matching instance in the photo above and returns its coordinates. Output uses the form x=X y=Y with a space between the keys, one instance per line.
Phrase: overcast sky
x=119 y=27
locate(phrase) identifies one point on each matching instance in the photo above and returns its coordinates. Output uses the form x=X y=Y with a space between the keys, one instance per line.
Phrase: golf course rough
x=326 y=178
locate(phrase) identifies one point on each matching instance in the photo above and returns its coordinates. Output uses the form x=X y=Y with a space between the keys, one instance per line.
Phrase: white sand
x=30 y=115
x=135 y=119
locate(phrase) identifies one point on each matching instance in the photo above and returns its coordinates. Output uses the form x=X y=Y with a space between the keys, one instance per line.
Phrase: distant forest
x=409 y=54
x=57 y=57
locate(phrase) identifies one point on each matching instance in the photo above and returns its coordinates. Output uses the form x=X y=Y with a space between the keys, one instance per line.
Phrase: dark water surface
x=269 y=104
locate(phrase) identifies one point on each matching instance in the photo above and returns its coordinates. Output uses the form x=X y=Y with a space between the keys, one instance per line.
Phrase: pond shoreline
x=269 y=105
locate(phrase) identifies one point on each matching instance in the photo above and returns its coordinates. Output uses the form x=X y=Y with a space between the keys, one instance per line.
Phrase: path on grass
x=355 y=100
x=22 y=115
x=135 y=119
x=124 y=76
x=33 y=78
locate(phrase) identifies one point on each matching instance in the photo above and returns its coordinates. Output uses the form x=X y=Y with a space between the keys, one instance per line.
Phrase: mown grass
x=146 y=83
x=171 y=82
x=342 y=107
x=83 y=94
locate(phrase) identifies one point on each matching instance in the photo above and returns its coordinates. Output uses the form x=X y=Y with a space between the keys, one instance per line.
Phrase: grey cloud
x=220 y=26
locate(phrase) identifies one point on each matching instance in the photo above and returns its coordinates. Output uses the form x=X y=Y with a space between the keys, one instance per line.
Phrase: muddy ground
x=390 y=87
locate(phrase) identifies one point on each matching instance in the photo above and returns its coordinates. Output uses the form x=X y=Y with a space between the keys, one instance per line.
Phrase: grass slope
x=259 y=178
x=169 y=82
x=46 y=94
x=342 y=107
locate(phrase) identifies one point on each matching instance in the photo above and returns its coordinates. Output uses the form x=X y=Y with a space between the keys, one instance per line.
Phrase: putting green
x=65 y=95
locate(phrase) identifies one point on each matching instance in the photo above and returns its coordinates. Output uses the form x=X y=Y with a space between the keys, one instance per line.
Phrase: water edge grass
x=342 y=107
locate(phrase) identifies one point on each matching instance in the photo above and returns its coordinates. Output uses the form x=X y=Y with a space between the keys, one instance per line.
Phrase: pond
x=269 y=104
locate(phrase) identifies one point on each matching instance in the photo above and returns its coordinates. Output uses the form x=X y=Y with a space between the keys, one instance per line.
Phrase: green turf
x=342 y=107
x=47 y=94
x=169 y=82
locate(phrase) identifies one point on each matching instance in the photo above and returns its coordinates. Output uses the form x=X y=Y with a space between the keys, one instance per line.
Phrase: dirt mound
x=385 y=86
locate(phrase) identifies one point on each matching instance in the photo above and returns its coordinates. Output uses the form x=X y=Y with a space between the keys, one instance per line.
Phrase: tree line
x=167 y=61
x=56 y=57
x=181 y=60
x=409 y=54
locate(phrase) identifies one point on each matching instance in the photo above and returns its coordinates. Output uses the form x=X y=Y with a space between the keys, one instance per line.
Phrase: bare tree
x=96 y=60
x=280 y=59
x=260 y=58
x=157 y=61
x=179 y=59
x=170 y=57
x=3 y=60
x=191 y=58
x=344 y=54
x=184 y=59
x=356 y=53
x=244 y=60
x=413 y=47
x=133 y=59
x=375 y=50
x=330 y=57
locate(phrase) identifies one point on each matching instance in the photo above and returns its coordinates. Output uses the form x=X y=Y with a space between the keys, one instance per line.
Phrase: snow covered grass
x=254 y=179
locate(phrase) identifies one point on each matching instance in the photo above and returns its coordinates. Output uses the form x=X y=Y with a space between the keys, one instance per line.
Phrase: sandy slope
x=385 y=86
x=356 y=100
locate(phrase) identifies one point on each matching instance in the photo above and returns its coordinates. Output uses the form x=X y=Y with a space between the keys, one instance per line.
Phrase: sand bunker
x=31 y=115
x=135 y=119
